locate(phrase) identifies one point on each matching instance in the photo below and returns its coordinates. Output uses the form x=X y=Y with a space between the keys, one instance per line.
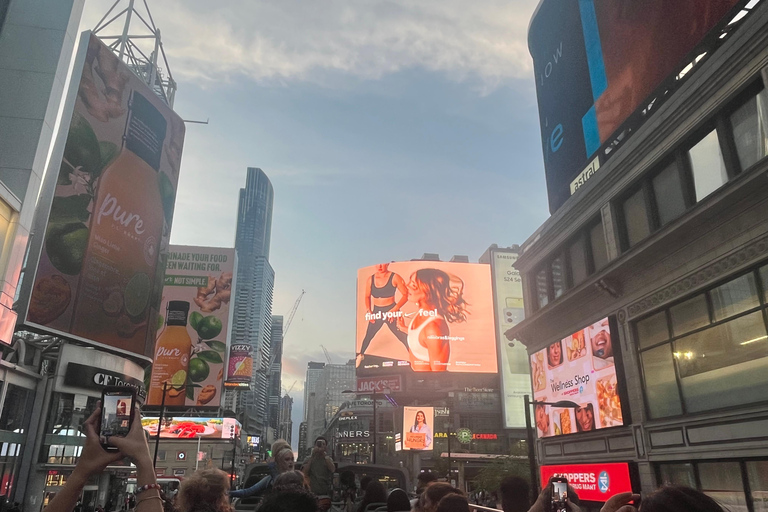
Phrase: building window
x=542 y=288
x=558 y=276
x=17 y=409
x=598 y=246
x=707 y=165
x=577 y=258
x=669 y=194
x=715 y=356
x=635 y=218
x=750 y=130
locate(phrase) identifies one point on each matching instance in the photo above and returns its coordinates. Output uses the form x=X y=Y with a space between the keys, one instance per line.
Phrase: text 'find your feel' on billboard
x=111 y=189
x=425 y=316
x=193 y=329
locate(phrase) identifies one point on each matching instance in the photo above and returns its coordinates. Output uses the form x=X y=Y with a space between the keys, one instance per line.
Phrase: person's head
x=601 y=340
x=294 y=499
x=375 y=492
x=439 y=290
x=284 y=459
x=421 y=418
x=321 y=443
x=288 y=480
x=206 y=489
x=677 y=498
x=436 y=492
x=278 y=445
x=382 y=267
x=555 y=354
x=542 y=418
x=585 y=417
x=515 y=494
x=347 y=479
x=453 y=503
x=398 y=501
x=364 y=482
x=424 y=479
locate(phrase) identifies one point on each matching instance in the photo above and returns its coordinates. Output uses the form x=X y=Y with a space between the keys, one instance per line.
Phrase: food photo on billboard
x=183 y=427
x=418 y=428
x=582 y=369
x=105 y=208
x=425 y=316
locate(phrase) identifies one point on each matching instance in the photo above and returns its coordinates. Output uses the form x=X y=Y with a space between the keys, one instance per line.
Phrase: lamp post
x=374 y=396
x=529 y=432
x=159 y=424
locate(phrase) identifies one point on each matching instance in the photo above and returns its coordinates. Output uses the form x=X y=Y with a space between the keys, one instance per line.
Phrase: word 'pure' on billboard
x=193 y=327
x=425 y=316
x=110 y=191
x=581 y=369
x=418 y=428
x=602 y=67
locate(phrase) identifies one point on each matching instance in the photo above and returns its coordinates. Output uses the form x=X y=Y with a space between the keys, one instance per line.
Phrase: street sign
x=464 y=435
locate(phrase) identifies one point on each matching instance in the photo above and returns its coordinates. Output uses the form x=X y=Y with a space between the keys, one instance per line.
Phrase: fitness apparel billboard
x=193 y=328
x=425 y=316
x=581 y=369
x=418 y=428
x=106 y=209
x=513 y=356
x=602 y=67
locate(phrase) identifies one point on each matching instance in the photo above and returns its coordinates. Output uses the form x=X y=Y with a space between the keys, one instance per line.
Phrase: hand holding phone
x=117 y=413
x=558 y=494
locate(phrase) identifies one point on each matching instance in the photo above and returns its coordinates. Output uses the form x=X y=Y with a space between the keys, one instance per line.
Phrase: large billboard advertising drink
x=425 y=316
x=418 y=428
x=599 y=66
x=581 y=369
x=513 y=356
x=192 y=343
x=106 y=208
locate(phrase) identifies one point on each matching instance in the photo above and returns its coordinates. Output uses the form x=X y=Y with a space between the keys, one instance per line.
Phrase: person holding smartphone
x=319 y=468
x=94 y=459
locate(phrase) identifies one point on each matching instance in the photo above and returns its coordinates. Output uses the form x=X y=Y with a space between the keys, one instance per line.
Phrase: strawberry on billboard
x=106 y=209
x=192 y=343
x=592 y=482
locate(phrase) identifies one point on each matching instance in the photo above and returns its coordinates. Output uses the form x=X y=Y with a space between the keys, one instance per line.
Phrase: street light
x=374 y=396
x=529 y=431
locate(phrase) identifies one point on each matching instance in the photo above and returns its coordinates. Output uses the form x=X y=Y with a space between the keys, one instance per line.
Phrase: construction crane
x=286 y=325
x=327 y=355
x=291 y=388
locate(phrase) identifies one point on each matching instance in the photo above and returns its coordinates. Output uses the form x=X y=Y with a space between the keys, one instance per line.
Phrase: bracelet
x=146 y=488
x=138 y=502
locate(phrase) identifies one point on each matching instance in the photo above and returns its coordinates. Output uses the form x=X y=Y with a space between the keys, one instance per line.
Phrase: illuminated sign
x=592 y=482
x=193 y=427
x=417 y=428
x=379 y=384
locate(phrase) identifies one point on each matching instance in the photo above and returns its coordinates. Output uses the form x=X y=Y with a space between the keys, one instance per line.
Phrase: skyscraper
x=314 y=370
x=285 y=424
x=328 y=396
x=253 y=297
x=275 y=372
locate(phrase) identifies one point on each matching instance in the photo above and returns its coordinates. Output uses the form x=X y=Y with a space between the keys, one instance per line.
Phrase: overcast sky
x=389 y=128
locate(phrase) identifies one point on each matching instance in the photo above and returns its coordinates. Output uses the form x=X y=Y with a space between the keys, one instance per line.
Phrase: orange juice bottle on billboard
x=171 y=357
x=126 y=226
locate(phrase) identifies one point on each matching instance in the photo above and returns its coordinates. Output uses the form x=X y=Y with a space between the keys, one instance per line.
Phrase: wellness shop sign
x=191 y=361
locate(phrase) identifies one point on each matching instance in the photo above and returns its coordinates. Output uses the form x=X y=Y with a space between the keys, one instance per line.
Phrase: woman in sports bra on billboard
x=380 y=297
x=439 y=298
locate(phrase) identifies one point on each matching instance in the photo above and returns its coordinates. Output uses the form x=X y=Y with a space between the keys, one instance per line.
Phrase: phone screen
x=116 y=411
x=559 y=496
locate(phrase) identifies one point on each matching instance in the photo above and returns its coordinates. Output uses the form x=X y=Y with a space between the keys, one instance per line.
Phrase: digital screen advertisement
x=581 y=369
x=178 y=427
x=190 y=355
x=418 y=428
x=592 y=482
x=101 y=256
x=240 y=366
x=513 y=356
x=425 y=316
x=597 y=64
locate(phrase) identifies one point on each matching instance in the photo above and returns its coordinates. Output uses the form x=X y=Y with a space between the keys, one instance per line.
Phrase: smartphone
x=558 y=491
x=117 y=412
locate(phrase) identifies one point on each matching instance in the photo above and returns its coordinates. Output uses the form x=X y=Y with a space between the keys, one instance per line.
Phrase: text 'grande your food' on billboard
x=425 y=316
x=581 y=369
x=418 y=428
x=111 y=189
x=193 y=327
x=597 y=64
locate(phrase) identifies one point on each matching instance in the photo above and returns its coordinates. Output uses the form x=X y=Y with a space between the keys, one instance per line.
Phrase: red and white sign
x=379 y=384
x=592 y=482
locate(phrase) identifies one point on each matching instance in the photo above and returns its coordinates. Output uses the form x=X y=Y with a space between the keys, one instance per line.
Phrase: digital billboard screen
x=106 y=209
x=184 y=427
x=425 y=316
x=580 y=368
x=418 y=428
x=513 y=356
x=592 y=482
x=190 y=355
x=597 y=65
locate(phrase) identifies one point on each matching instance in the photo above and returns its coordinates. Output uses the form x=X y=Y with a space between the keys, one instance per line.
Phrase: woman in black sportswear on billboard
x=379 y=297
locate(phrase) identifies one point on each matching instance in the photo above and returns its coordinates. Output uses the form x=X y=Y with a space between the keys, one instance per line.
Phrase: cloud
x=289 y=40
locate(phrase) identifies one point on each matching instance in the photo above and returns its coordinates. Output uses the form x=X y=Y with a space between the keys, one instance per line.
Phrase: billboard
x=580 y=368
x=240 y=366
x=183 y=427
x=106 y=208
x=418 y=428
x=425 y=316
x=513 y=356
x=592 y=482
x=192 y=343
x=600 y=66
x=380 y=384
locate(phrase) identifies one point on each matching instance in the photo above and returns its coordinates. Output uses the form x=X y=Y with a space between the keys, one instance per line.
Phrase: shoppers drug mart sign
x=592 y=482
